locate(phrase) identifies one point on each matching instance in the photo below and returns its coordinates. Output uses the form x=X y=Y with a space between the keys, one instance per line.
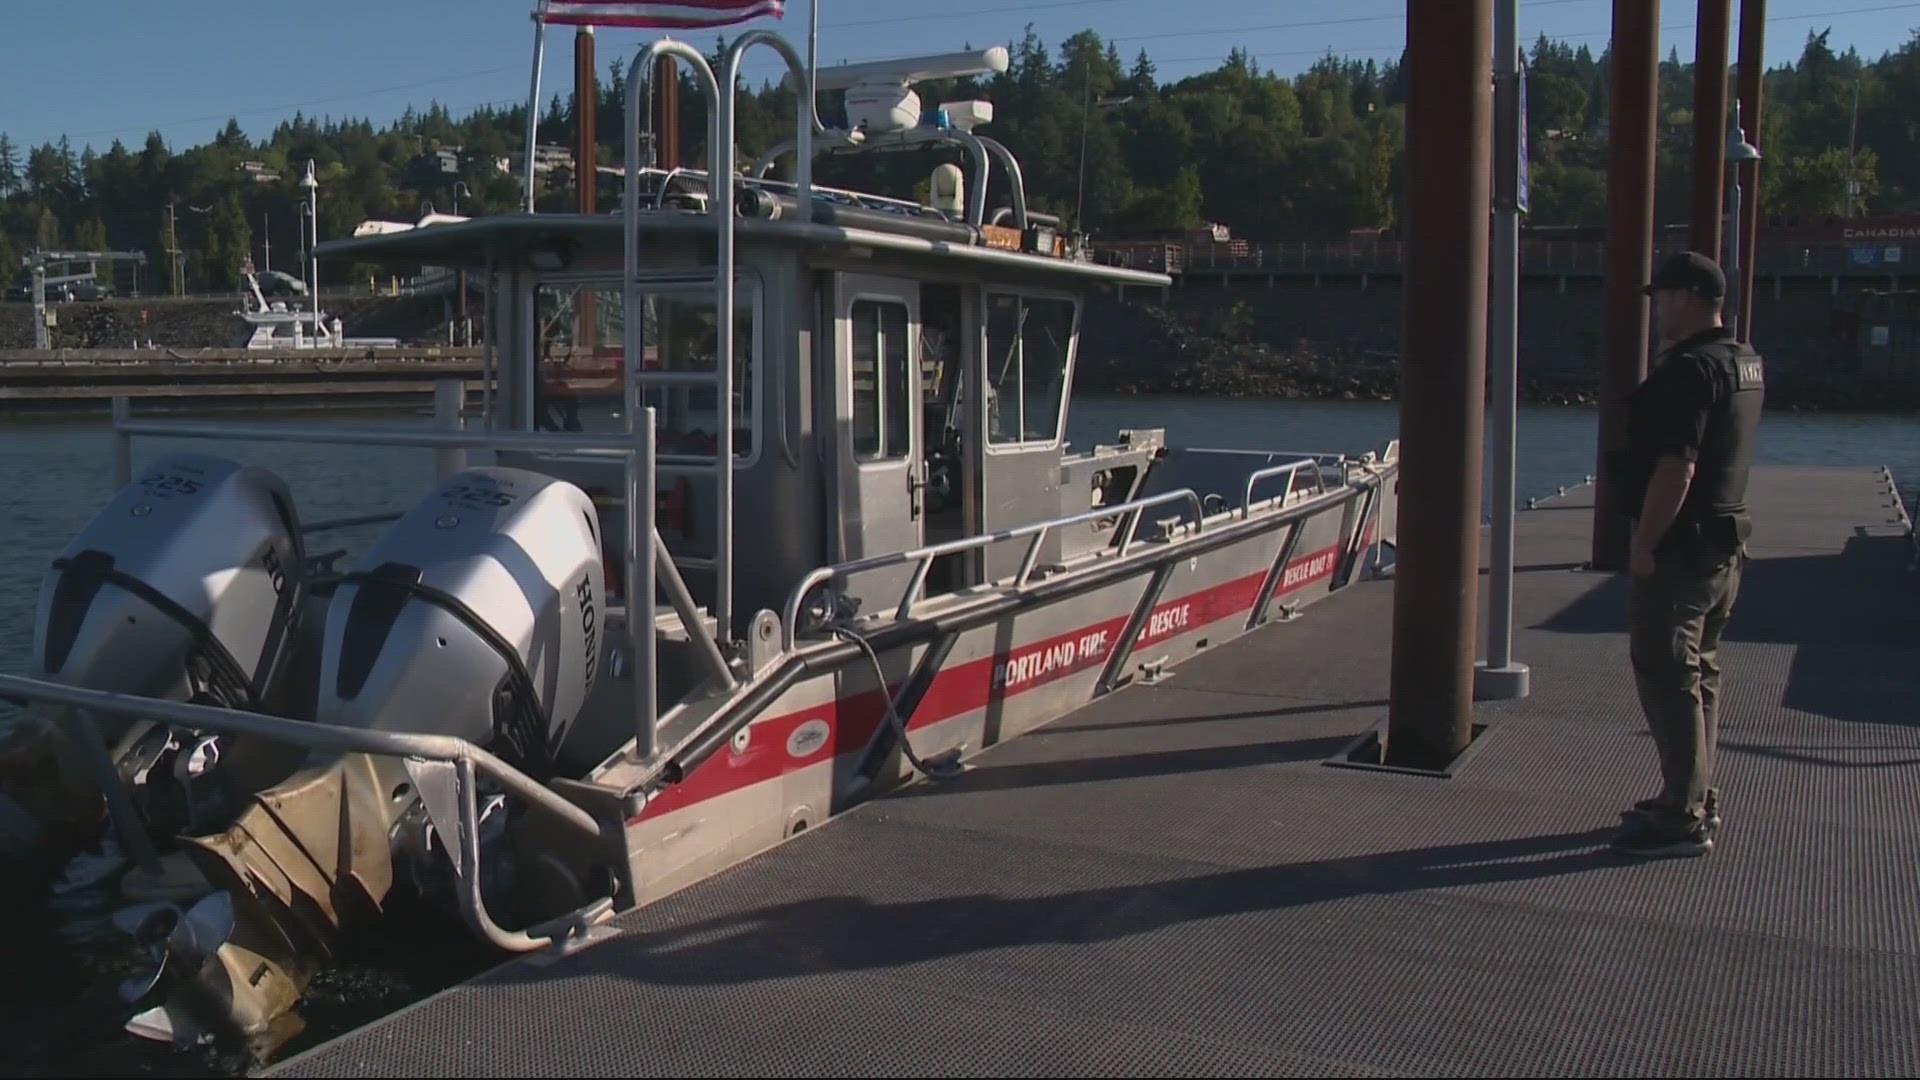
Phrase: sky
x=121 y=68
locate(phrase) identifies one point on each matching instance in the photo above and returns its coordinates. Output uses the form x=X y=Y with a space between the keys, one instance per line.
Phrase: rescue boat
x=661 y=611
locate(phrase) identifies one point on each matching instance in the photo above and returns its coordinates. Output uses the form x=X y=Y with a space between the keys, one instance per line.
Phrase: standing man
x=1691 y=428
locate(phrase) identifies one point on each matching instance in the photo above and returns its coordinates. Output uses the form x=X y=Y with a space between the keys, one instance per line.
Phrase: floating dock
x=58 y=378
x=1174 y=881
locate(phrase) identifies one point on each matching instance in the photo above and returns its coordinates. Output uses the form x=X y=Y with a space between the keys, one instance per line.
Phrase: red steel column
x=666 y=113
x=1633 y=109
x=1443 y=373
x=1753 y=64
x=586 y=103
x=1710 y=124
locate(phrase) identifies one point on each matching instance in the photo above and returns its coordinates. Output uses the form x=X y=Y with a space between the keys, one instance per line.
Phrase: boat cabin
x=900 y=372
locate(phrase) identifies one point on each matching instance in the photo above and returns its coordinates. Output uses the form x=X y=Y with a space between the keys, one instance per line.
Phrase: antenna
x=909 y=70
x=878 y=95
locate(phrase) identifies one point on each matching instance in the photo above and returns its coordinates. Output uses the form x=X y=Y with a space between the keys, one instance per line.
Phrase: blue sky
x=119 y=68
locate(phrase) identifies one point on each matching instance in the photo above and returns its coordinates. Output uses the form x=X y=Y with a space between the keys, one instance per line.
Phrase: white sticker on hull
x=808 y=738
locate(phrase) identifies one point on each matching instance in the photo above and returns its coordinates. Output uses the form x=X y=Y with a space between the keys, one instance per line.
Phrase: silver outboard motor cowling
x=477 y=615
x=186 y=587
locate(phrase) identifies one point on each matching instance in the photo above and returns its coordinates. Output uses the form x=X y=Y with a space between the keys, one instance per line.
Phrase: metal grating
x=1169 y=882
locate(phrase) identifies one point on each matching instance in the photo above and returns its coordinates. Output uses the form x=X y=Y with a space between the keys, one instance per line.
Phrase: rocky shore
x=1145 y=349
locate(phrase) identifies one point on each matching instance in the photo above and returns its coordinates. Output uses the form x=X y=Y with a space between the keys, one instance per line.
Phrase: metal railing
x=463 y=756
x=1290 y=470
x=720 y=207
x=1773 y=257
x=923 y=557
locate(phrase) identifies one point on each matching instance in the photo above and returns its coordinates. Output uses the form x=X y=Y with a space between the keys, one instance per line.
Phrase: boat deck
x=1171 y=881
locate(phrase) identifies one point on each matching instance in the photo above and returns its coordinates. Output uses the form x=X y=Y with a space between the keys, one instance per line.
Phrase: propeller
x=162 y=1024
x=170 y=936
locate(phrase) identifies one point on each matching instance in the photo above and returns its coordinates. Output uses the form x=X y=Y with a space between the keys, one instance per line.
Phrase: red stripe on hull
x=853 y=720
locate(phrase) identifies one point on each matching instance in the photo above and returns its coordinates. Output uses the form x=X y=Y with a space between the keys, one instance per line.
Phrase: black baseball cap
x=1691 y=271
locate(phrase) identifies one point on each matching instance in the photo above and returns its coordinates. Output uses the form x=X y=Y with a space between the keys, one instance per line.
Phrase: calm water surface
x=61 y=471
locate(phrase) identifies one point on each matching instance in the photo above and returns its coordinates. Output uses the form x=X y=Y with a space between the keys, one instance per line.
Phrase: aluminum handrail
x=313 y=736
x=1290 y=470
x=1316 y=456
x=924 y=556
x=464 y=757
x=721 y=210
x=433 y=438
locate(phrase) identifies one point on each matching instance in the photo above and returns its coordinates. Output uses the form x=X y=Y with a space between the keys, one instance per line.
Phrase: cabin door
x=877 y=407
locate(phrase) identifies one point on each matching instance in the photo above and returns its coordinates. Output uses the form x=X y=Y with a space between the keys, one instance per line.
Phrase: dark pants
x=1677 y=614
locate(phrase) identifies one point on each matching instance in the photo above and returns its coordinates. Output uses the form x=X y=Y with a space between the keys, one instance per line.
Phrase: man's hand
x=1665 y=494
x=1642 y=560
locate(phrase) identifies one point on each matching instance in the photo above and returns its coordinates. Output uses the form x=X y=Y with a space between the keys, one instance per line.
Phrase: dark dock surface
x=1172 y=882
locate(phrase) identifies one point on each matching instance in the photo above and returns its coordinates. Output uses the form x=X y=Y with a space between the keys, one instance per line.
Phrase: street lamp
x=1739 y=152
x=311 y=185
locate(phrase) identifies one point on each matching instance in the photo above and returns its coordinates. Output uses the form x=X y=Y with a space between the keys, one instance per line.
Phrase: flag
x=672 y=14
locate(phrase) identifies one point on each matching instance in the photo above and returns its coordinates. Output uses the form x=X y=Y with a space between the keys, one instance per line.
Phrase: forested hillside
x=1308 y=156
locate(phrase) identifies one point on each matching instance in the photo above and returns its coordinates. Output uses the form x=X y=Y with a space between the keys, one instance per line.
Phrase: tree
x=1815 y=185
x=91 y=235
x=9 y=167
x=1140 y=81
x=229 y=242
x=232 y=138
x=46 y=233
x=46 y=173
x=1271 y=157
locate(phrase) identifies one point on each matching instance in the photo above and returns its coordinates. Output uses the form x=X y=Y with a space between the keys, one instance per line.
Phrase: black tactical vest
x=1714 y=518
x=1719 y=488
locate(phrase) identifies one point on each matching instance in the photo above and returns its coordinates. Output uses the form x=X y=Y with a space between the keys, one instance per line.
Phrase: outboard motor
x=186 y=587
x=477 y=615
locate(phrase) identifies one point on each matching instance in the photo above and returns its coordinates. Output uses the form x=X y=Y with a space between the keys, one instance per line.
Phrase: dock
x=1178 y=880
x=64 y=378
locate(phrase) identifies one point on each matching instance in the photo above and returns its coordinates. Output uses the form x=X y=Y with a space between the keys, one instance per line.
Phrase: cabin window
x=882 y=364
x=1029 y=342
x=577 y=362
x=581 y=383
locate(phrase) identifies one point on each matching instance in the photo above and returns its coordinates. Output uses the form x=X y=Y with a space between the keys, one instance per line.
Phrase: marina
x=746 y=644
x=471 y=710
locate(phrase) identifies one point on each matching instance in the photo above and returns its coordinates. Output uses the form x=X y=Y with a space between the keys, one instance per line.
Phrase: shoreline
x=358 y=405
x=1560 y=399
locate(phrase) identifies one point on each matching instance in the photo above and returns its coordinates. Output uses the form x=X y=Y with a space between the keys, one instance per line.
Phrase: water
x=60 y=472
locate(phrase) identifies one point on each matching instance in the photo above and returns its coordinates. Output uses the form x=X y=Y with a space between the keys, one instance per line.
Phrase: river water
x=59 y=472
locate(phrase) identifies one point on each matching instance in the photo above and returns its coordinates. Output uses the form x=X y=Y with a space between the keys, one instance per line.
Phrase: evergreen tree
x=1141 y=80
x=9 y=167
x=1314 y=155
